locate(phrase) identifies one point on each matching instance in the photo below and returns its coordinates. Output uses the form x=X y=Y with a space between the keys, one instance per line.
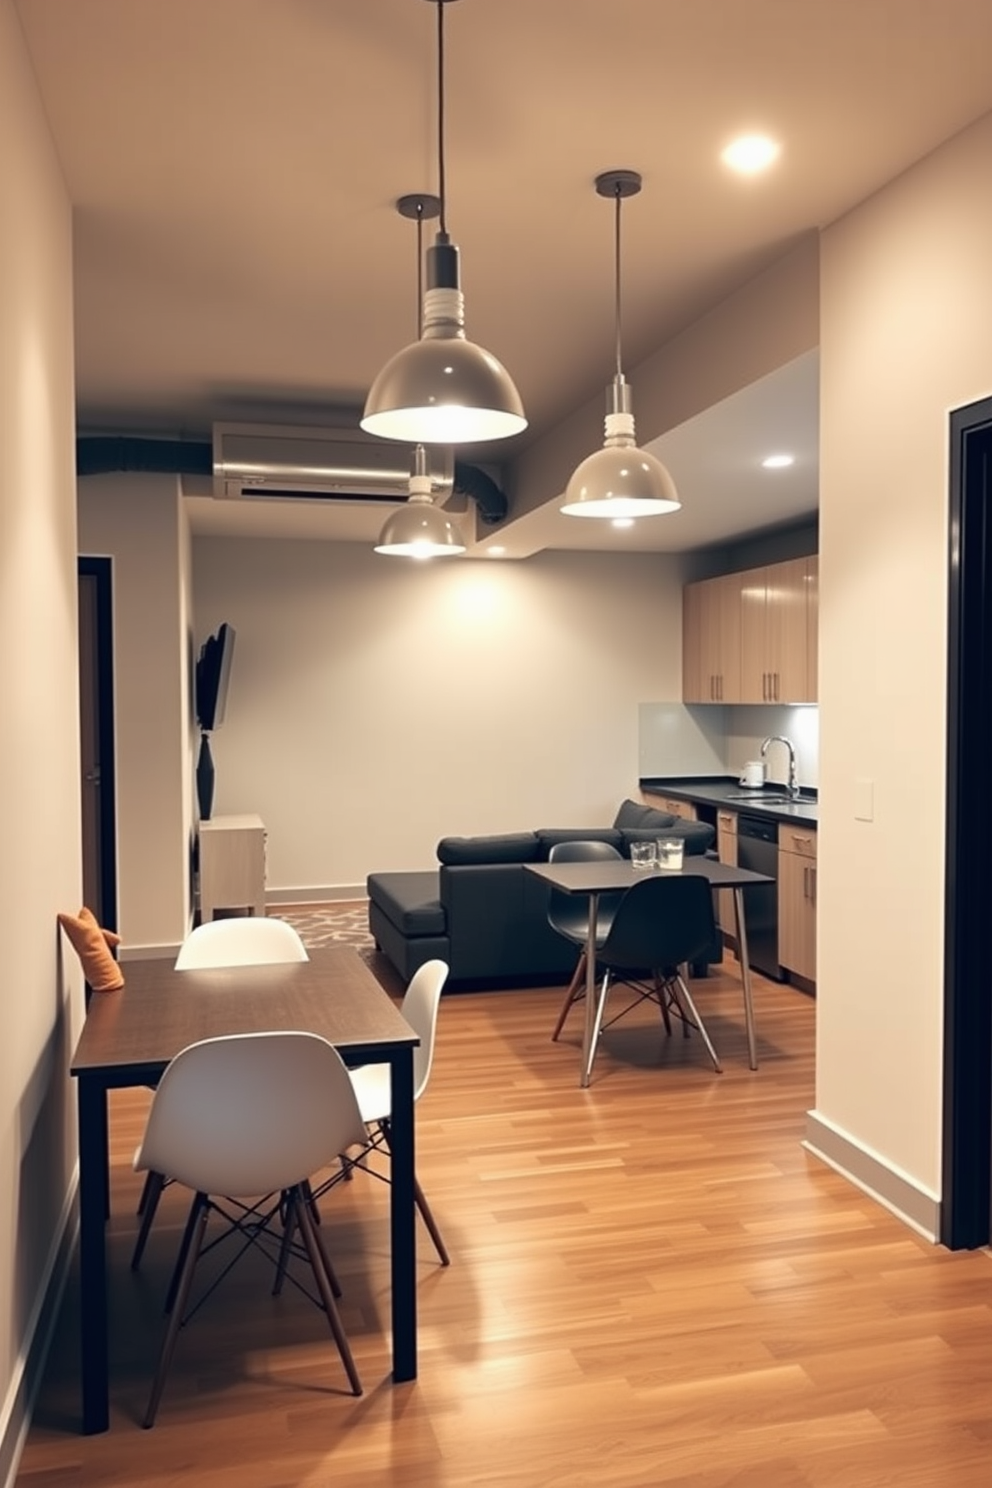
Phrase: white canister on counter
x=753 y=774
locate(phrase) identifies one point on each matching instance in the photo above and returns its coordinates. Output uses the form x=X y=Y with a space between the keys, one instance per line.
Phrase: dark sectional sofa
x=484 y=915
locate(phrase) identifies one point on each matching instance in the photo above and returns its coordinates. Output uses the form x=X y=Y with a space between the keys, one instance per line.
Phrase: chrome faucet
x=781 y=739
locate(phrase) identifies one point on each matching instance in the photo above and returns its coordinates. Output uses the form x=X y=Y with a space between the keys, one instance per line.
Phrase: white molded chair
x=372 y=1089
x=246 y=1115
x=252 y=940
x=248 y=940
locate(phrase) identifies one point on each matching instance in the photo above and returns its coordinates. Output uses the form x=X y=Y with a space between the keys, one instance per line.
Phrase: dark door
x=966 y=1193
x=96 y=740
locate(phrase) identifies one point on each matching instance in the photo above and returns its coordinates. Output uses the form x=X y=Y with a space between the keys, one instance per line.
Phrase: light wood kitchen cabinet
x=797 y=901
x=711 y=640
x=685 y=809
x=726 y=847
x=774 y=634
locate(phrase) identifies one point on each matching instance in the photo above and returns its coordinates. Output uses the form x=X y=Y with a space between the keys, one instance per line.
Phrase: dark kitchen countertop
x=725 y=791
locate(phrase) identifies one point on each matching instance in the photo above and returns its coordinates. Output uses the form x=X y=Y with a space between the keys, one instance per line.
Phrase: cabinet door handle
x=806 y=882
x=719 y=687
x=812 y=884
x=775 y=685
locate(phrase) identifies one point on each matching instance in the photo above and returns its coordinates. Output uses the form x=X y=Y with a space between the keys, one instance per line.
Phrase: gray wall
x=376 y=706
x=41 y=1007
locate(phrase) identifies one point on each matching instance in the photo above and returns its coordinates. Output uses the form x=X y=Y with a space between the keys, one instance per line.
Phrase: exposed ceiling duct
x=288 y=462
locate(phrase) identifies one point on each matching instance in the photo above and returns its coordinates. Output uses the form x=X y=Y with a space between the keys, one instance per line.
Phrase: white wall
x=137 y=521
x=906 y=310
x=40 y=867
x=376 y=705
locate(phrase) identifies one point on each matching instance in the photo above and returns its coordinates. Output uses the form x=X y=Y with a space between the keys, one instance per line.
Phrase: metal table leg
x=587 y=1034
x=93 y=1201
x=745 y=961
x=402 y=1218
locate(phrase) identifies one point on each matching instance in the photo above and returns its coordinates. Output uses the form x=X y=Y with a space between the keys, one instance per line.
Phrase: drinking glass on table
x=644 y=854
x=670 y=852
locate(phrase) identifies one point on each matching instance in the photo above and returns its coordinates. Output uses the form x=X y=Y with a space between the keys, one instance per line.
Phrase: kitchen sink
x=767 y=798
x=757 y=798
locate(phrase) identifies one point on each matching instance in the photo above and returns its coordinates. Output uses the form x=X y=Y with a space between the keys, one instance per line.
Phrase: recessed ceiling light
x=622 y=522
x=778 y=462
x=750 y=153
x=496 y=552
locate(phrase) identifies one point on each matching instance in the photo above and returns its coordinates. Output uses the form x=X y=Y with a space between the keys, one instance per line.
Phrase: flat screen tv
x=213 y=675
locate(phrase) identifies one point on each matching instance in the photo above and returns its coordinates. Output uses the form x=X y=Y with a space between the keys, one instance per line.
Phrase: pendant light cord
x=617 y=198
x=420 y=270
x=443 y=221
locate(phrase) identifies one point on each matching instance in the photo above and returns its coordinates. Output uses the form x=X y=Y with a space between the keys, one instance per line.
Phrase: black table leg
x=402 y=1218
x=94 y=1192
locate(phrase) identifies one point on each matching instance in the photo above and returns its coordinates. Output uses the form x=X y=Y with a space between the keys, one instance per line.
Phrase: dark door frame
x=967 y=1102
x=101 y=570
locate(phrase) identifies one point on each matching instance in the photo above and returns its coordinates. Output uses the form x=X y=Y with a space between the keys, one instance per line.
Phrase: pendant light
x=443 y=389
x=620 y=480
x=420 y=529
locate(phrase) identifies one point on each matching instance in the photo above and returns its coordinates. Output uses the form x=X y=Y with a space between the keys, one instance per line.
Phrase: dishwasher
x=757 y=849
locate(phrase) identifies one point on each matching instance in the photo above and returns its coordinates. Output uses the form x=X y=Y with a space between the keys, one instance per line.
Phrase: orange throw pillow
x=93 y=947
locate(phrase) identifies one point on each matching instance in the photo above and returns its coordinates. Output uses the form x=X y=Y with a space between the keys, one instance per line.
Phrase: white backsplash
x=681 y=739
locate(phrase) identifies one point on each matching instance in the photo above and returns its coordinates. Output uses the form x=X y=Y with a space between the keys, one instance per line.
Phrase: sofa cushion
x=549 y=836
x=510 y=847
x=636 y=814
x=410 y=901
x=697 y=836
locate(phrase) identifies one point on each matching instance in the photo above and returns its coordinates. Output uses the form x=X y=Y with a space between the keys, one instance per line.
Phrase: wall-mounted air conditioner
x=268 y=461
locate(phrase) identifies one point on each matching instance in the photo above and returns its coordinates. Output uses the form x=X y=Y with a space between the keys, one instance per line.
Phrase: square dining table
x=605 y=875
x=129 y=1037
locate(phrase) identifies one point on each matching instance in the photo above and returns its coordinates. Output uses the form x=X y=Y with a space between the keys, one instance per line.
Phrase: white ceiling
x=234 y=165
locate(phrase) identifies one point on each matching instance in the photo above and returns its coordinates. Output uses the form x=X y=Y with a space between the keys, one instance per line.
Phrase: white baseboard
x=26 y=1376
x=895 y=1190
x=316 y=894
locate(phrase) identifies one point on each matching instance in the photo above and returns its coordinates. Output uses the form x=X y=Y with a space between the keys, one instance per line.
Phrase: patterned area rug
x=330 y=924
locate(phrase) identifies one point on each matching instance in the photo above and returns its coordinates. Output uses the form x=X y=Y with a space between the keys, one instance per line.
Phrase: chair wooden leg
x=289 y=1227
x=154 y=1184
x=319 y=1239
x=576 y=987
x=323 y=1283
x=196 y=1230
x=184 y=1245
x=149 y=1178
x=429 y=1221
x=422 y=1205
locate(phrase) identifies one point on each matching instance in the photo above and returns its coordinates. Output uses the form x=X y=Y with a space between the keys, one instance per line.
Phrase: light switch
x=864 y=800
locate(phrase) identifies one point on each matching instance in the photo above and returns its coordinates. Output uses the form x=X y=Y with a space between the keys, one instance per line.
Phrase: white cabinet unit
x=232 y=864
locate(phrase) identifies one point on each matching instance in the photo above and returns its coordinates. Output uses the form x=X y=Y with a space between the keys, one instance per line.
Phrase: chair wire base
x=669 y=991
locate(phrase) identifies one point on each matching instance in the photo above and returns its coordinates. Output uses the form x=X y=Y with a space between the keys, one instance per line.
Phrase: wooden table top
x=159 y=1010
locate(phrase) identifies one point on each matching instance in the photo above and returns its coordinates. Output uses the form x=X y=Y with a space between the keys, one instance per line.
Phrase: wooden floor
x=652 y=1283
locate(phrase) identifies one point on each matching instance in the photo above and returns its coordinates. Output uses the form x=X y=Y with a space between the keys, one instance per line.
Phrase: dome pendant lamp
x=443 y=389
x=620 y=480
x=420 y=529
